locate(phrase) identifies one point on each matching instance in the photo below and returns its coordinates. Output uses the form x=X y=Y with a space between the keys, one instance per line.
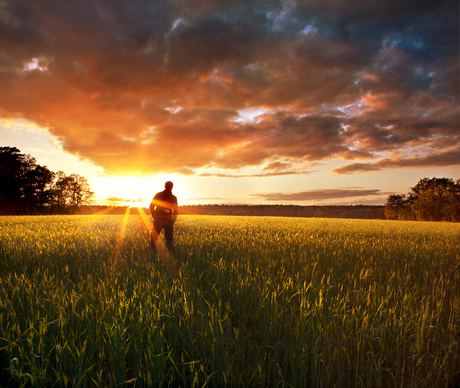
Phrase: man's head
x=169 y=185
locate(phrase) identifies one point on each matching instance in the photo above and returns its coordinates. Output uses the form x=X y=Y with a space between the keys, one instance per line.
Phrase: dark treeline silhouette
x=436 y=199
x=360 y=211
x=28 y=188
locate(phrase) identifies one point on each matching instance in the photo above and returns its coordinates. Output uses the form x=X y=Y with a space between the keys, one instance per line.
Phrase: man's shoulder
x=172 y=199
x=165 y=196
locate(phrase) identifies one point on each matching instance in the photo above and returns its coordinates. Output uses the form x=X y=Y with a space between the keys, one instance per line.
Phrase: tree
x=432 y=198
x=38 y=190
x=427 y=206
x=398 y=207
x=25 y=186
x=452 y=210
x=436 y=199
x=71 y=191
x=78 y=191
x=394 y=206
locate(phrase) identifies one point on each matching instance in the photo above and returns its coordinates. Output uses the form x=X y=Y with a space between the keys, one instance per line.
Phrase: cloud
x=148 y=87
x=261 y=175
x=210 y=199
x=319 y=195
x=441 y=159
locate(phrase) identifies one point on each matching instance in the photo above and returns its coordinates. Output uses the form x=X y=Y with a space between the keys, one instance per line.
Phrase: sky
x=306 y=102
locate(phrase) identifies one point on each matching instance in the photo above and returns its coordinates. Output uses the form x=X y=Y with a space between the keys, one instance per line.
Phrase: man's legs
x=168 y=227
x=169 y=236
x=157 y=226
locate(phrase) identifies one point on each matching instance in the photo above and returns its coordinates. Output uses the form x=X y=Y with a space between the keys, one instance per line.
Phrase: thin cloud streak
x=319 y=195
x=283 y=173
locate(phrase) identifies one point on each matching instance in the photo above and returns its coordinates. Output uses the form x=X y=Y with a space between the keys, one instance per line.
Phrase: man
x=164 y=210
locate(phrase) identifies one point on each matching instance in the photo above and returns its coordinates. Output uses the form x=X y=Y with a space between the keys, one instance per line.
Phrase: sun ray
x=104 y=210
x=121 y=237
x=146 y=222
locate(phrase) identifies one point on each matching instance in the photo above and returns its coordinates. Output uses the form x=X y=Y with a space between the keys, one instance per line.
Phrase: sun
x=134 y=191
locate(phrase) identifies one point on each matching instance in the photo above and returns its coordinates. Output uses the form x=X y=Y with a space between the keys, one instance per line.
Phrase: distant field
x=247 y=301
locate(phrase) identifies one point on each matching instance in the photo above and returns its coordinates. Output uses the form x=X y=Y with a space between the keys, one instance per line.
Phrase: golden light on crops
x=344 y=293
x=120 y=239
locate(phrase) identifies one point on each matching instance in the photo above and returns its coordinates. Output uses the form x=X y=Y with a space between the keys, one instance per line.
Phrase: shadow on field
x=168 y=260
x=5 y=374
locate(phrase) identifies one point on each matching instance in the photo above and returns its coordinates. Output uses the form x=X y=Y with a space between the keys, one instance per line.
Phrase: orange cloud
x=143 y=88
x=442 y=159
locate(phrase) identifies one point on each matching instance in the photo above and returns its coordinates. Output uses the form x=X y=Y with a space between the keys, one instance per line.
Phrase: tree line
x=28 y=188
x=337 y=211
x=436 y=199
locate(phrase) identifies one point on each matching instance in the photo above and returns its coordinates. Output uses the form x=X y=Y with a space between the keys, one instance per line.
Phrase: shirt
x=164 y=205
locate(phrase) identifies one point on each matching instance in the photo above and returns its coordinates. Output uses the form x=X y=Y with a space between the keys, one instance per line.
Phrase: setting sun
x=136 y=191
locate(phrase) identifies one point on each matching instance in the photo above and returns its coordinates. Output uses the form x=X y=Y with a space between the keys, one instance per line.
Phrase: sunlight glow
x=249 y=115
x=133 y=191
x=121 y=237
x=34 y=64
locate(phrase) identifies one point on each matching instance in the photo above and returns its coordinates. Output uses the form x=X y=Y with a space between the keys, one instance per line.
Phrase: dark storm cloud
x=319 y=195
x=143 y=87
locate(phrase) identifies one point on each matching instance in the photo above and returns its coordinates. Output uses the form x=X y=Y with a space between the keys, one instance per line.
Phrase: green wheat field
x=245 y=302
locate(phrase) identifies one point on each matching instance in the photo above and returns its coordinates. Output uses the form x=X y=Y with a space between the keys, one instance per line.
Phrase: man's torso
x=163 y=205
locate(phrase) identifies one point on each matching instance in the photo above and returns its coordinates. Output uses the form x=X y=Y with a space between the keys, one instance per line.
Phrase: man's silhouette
x=164 y=210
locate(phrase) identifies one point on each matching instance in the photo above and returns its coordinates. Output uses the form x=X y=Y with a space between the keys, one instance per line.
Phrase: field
x=245 y=302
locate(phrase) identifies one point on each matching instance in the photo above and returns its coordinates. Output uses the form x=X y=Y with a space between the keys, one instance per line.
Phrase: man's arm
x=152 y=206
x=176 y=210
